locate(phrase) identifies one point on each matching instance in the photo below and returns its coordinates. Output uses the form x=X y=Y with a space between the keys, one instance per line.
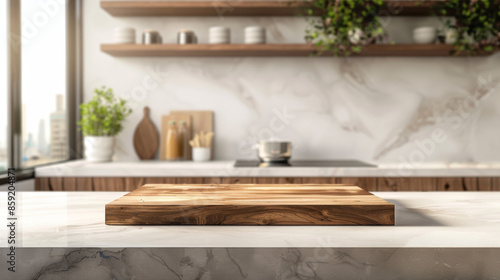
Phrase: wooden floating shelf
x=245 y=8
x=266 y=50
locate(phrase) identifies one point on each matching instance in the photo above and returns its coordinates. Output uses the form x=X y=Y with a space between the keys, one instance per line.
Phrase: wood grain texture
x=268 y=50
x=165 y=119
x=146 y=137
x=249 y=204
x=367 y=183
x=245 y=8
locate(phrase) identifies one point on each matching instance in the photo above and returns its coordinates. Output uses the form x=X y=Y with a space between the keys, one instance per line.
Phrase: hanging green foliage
x=343 y=26
x=476 y=24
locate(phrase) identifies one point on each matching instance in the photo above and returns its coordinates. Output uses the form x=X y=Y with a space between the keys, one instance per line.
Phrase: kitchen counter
x=423 y=220
x=82 y=168
x=437 y=236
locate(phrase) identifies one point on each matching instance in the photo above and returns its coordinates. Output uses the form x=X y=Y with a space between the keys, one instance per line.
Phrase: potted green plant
x=476 y=25
x=101 y=119
x=344 y=26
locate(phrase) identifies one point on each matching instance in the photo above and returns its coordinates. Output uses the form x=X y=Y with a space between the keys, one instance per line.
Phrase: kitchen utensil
x=185 y=37
x=424 y=35
x=146 y=138
x=165 y=119
x=150 y=37
x=240 y=204
x=202 y=139
x=200 y=121
x=274 y=151
x=201 y=154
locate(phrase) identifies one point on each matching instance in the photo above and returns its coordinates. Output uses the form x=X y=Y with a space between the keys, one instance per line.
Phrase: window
x=40 y=45
x=43 y=71
x=3 y=87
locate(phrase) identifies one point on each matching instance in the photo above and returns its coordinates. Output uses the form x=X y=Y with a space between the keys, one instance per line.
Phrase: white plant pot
x=99 y=148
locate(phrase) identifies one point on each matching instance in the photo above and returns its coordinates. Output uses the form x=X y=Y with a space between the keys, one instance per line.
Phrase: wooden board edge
x=190 y=215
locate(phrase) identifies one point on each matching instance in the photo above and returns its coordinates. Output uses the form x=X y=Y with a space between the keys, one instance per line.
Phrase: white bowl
x=219 y=36
x=201 y=154
x=254 y=29
x=218 y=30
x=124 y=36
x=124 y=30
x=262 y=36
x=255 y=42
x=219 y=42
x=424 y=35
x=254 y=34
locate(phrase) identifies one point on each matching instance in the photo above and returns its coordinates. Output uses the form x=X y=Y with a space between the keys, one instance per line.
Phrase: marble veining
x=255 y=264
x=423 y=220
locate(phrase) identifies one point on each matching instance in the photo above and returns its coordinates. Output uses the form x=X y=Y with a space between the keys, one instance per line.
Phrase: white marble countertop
x=81 y=168
x=423 y=219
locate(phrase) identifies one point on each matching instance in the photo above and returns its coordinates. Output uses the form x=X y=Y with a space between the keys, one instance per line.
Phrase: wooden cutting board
x=156 y=204
x=201 y=121
x=165 y=119
x=146 y=138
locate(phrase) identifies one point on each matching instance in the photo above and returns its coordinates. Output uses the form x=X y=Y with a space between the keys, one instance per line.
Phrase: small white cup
x=201 y=154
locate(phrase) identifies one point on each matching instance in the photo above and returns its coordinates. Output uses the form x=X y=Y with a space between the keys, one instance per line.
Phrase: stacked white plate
x=255 y=35
x=124 y=35
x=219 y=35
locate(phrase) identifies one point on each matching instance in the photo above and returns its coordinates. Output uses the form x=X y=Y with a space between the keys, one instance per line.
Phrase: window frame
x=73 y=95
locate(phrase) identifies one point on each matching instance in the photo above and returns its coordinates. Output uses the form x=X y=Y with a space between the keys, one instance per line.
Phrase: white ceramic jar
x=201 y=153
x=219 y=35
x=124 y=35
x=424 y=35
x=255 y=35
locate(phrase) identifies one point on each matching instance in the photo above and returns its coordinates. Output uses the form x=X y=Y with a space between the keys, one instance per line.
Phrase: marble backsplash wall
x=383 y=110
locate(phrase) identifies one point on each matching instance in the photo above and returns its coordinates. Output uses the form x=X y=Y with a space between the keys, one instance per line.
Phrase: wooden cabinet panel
x=407 y=184
x=84 y=184
x=495 y=184
x=367 y=183
x=42 y=184
x=109 y=184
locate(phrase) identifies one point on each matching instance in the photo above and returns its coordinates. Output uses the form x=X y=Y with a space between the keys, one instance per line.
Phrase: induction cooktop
x=304 y=163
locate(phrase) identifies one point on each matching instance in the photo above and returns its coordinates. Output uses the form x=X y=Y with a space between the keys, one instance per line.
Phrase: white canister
x=124 y=35
x=99 y=148
x=201 y=154
x=255 y=35
x=219 y=35
x=424 y=35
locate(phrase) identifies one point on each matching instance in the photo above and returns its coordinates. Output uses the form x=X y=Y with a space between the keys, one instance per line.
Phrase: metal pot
x=274 y=151
x=150 y=37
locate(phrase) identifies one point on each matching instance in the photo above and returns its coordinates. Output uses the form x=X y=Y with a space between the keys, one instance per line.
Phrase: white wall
x=371 y=109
